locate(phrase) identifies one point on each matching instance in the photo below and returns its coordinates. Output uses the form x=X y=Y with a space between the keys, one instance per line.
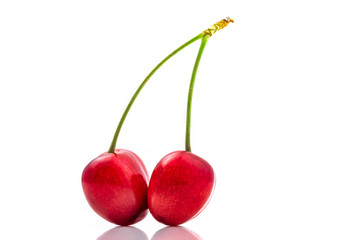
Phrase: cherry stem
x=205 y=35
x=191 y=89
x=116 y=135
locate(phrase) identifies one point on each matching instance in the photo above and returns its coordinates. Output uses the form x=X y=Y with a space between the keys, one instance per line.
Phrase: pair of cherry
x=116 y=184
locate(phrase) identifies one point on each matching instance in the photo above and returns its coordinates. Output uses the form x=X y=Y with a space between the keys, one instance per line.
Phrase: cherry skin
x=115 y=185
x=180 y=187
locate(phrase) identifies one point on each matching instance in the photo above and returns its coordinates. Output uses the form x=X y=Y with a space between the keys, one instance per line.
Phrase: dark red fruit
x=115 y=185
x=180 y=187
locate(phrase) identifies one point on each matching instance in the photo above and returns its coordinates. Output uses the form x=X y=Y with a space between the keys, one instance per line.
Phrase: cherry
x=180 y=187
x=182 y=183
x=115 y=185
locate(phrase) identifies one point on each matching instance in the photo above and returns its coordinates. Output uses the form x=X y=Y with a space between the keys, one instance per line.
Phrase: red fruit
x=115 y=185
x=180 y=187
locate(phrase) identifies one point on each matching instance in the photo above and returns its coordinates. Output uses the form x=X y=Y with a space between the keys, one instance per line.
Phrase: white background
x=275 y=112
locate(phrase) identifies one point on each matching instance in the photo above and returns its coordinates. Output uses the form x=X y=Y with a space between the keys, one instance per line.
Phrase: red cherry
x=115 y=185
x=180 y=187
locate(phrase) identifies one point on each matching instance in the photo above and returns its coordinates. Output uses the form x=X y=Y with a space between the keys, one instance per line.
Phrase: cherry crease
x=180 y=187
x=115 y=186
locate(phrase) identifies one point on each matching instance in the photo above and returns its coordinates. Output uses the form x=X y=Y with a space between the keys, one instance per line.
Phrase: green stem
x=191 y=89
x=116 y=135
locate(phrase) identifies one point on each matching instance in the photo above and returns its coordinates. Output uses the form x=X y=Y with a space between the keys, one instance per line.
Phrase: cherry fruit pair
x=116 y=183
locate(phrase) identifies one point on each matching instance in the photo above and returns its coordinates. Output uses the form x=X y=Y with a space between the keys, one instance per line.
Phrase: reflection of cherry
x=123 y=233
x=175 y=233
x=181 y=183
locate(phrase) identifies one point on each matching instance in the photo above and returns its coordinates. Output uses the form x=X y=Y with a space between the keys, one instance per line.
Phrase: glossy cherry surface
x=180 y=187
x=115 y=185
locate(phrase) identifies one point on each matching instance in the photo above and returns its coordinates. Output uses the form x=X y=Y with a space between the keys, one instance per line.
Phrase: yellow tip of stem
x=217 y=26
